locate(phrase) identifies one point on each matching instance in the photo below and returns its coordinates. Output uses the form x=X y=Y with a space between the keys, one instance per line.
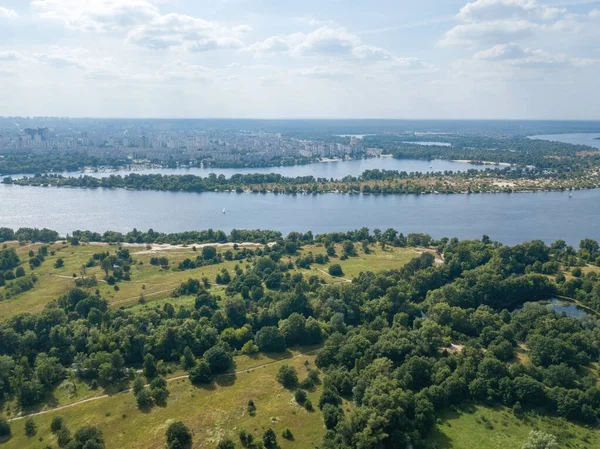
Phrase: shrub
x=300 y=396
x=336 y=270
x=287 y=434
x=56 y=424
x=178 y=436
x=270 y=439
x=201 y=373
x=287 y=376
x=4 y=428
x=30 y=427
x=226 y=444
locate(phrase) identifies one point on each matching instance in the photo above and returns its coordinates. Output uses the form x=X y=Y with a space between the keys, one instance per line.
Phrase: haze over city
x=526 y=59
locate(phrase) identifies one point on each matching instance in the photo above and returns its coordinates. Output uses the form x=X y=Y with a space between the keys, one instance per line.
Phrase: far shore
x=467 y=161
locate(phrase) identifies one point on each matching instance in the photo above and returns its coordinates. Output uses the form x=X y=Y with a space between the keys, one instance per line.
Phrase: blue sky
x=527 y=59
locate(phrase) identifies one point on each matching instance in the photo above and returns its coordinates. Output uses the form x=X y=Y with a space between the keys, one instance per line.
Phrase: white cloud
x=273 y=44
x=96 y=15
x=182 y=71
x=323 y=72
x=323 y=42
x=6 y=73
x=508 y=9
x=6 y=13
x=173 y=30
x=489 y=31
x=594 y=14
x=10 y=56
x=63 y=57
x=513 y=54
x=501 y=52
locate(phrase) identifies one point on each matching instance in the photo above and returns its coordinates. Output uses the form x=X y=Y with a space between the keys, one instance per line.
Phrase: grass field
x=498 y=428
x=212 y=413
x=156 y=284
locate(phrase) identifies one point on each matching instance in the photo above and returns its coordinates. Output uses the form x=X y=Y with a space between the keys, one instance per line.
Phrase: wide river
x=509 y=218
x=334 y=169
x=589 y=139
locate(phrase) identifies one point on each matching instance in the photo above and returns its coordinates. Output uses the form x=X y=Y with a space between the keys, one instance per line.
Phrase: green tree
x=219 y=359
x=30 y=427
x=226 y=444
x=336 y=270
x=178 y=436
x=287 y=376
x=187 y=359
x=201 y=373
x=269 y=339
x=4 y=429
x=56 y=424
x=270 y=439
x=150 y=367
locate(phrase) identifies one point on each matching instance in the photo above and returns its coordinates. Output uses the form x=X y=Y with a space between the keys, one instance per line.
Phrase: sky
x=448 y=59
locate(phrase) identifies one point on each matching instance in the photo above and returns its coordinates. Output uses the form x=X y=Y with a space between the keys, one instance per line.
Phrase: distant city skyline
x=492 y=59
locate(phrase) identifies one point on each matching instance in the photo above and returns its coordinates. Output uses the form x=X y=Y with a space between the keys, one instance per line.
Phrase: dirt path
x=71 y=277
x=172 y=379
x=334 y=277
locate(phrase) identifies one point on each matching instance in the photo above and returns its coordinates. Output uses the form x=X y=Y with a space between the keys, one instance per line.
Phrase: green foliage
x=540 y=440
x=5 y=430
x=270 y=439
x=287 y=376
x=226 y=444
x=201 y=373
x=287 y=434
x=336 y=270
x=178 y=436
x=30 y=427
x=56 y=424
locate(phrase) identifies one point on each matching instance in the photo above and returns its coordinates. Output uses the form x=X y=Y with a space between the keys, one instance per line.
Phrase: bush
x=226 y=444
x=300 y=396
x=63 y=436
x=336 y=270
x=287 y=434
x=30 y=427
x=251 y=407
x=56 y=424
x=178 y=436
x=287 y=376
x=144 y=399
x=270 y=439
x=201 y=373
x=4 y=428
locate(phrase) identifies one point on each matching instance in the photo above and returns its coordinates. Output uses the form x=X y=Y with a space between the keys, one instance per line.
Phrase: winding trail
x=172 y=379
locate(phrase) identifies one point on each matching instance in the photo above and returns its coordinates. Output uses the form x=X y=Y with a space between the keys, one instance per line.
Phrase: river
x=589 y=139
x=509 y=218
x=334 y=169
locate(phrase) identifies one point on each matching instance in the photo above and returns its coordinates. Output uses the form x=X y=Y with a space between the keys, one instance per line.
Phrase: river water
x=589 y=139
x=509 y=218
x=334 y=169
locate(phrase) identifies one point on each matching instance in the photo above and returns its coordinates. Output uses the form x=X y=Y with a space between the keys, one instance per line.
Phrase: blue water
x=336 y=170
x=509 y=218
x=589 y=139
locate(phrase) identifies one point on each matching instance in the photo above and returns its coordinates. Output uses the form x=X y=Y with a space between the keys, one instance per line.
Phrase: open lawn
x=498 y=428
x=212 y=412
x=156 y=284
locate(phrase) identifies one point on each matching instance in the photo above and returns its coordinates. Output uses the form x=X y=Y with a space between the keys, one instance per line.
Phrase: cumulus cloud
x=96 y=15
x=63 y=57
x=6 y=13
x=10 y=56
x=195 y=34
x=508 y=9
x=323 y=72
x=323 y=42
x=513 y=54
x=495 y=21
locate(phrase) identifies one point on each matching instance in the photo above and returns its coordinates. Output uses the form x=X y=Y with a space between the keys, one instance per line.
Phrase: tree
x=287 y=434
x=19 y=272
x=336 y=270
x=287 y=376
x=59 y=263
x=87 y=437
x=63 y=436
x=30 y=427
x=270 y=439
x=540 y=440
x=144 y=399
x=219 y=359
x=269 y=339
x=209 y=252
x=138 y=385
x=201 y=374
x=178 y=436
x=332 y=415
x=150 y=367
x=4 y=429
x=56 y=424
x=226 y=444
x=300 y=396
x=188 y=360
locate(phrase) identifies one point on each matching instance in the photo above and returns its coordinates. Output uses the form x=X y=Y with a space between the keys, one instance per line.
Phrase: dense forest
x=400 y=345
